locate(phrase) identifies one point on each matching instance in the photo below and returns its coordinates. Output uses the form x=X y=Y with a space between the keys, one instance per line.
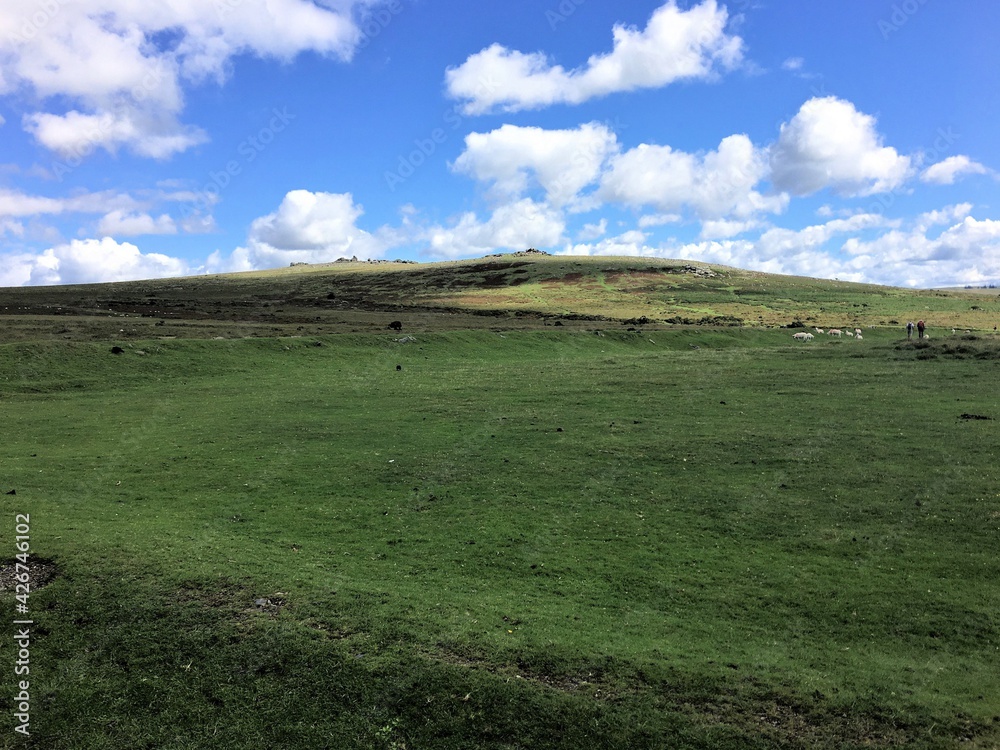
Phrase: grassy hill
x=513 y=291
x=501 y=534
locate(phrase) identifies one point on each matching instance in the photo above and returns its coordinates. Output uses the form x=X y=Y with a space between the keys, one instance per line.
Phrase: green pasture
x=525 y=539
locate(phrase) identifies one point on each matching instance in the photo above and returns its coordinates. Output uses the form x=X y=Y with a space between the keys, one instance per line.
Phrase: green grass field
x=691 y=538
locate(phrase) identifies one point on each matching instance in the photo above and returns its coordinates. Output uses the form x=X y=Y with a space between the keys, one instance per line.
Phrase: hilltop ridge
x=523 y=289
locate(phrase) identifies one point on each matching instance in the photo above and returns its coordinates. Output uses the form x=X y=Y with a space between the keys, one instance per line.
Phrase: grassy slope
x=511 y=291
x=529 y=539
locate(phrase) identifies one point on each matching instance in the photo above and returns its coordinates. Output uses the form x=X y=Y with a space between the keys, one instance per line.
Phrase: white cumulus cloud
x=628 y=244
x=310 y=227
x=675 y=45
x=830 y=144
x=713 y=229
x=945 y=172
x=122 y=224
x=515 y=226
x=114 y=72
x=593 y=231
x=715 y=185
x=561 y=162
x=945 y=215
x=88 y=261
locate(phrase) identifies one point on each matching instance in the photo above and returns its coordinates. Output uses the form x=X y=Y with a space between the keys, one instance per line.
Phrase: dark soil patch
x=41 y=572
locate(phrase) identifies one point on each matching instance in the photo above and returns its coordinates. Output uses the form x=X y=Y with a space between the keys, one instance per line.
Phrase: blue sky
x=851 y=140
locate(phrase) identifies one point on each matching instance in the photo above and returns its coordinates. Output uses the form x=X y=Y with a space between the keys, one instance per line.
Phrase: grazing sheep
x=859 y=337
x=835 y=332
x=952 y=331
x=802 y=336
x=857 y=331
x=927 y=338
x=819 y=330
x=850 y=334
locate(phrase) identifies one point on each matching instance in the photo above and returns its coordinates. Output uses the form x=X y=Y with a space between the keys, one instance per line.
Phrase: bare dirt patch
x=41 y=572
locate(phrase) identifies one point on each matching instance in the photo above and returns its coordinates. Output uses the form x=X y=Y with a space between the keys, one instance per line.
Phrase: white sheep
x=859 y=337
x=857 y=331
x=802 y=336
x=835 y=332
x=819 y=330
x=849 y=333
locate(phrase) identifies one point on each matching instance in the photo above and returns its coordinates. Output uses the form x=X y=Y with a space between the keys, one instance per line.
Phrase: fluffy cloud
x=16 y=203
x=121 y=224
x=864 y=247
x=719 y=184
x=311 y=228
x=321 y=227
x=658 y=220
x=75 y=134
x=88 y=261
x=829 y=144
x=945 y=172
x=124 y=64
x=966 y=253
x=630 y=244
x=561 y=162
x=515 y=226
x=945 y=215
x=675 y=45
x=714 y=229
x=593 y=231
x=122 y=214
x=9 y=226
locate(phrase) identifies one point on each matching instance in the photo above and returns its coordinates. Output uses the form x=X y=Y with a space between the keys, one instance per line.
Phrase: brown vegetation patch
x=224 y=594
x=749 y=707
x=807 y=726
x=590 y=682
x=570 y=278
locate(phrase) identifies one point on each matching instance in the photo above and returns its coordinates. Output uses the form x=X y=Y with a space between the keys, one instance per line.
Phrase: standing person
x=920 y=329
x=909 y=330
